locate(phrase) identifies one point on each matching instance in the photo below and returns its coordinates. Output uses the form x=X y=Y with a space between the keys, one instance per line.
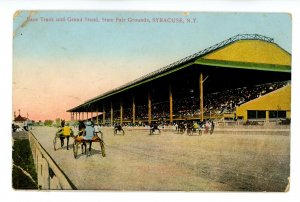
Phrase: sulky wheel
x=102 y=148
x=75 y=149
x=101 y=134
x=54 y=143
x=211 y=130
x=189 y=132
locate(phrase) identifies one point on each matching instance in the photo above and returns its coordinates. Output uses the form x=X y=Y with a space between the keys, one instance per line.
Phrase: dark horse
x=189 y=128
x=181 y=127
x=117 y=128
x=81 y=129
x=153 y=128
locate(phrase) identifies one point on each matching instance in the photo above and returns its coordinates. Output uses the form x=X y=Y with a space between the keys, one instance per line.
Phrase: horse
x=119 y=128
x=197 y=127
x=212 y=127
x=181 y=128
x=81 y=132
x=153 y=128
x=62 y=133
x=82 y=141
x=79 y=138
x=189 y=128
x=209 y=126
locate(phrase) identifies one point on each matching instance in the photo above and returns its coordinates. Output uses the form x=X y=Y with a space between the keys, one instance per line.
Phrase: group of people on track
x=207 y=125
x=86 y=131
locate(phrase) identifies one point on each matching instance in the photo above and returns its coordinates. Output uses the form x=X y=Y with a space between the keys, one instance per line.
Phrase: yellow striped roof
x=252 y=51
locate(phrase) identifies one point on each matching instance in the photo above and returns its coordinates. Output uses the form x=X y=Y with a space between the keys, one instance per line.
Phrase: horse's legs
x=90 y=146
x=61 y=141
x=83 y=144
x=68 y=143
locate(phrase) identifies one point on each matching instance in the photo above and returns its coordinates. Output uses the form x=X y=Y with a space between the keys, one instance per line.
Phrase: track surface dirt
x=224 y=161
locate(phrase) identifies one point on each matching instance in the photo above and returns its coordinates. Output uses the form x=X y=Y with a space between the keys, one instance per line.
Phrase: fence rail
x=50 y=176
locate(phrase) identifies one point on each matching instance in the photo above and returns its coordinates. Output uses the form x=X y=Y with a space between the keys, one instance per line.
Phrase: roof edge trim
x=245 y=65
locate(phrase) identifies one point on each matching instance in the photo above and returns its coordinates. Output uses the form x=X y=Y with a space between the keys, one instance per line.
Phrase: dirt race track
x=224 y=161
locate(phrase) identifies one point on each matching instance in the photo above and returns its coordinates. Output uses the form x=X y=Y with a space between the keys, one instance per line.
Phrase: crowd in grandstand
x=214 y=103
x=227 y=101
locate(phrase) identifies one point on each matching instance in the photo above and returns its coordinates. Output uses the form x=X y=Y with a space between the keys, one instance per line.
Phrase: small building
x=273 y=106
x=20 y=119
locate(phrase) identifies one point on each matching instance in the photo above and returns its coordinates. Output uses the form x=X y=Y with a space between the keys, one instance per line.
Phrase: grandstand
x=245 y=77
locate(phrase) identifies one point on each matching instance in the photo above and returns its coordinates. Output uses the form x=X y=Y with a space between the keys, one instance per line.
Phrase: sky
x=59 y=62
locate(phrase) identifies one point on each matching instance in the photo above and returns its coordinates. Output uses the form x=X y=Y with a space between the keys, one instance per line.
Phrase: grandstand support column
x=149 y=108
x=133 y=110
x=87 y=115
x=92 y=114
x=121 y=112
x=245 y=117
x=201 y=95
x=267 y=116
x=171 y=103
x=76 y=116
x=111 y=114
x=103 y=115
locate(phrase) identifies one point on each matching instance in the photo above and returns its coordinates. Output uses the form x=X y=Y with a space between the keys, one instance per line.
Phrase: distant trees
x=57 y=122
x=48 y=122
